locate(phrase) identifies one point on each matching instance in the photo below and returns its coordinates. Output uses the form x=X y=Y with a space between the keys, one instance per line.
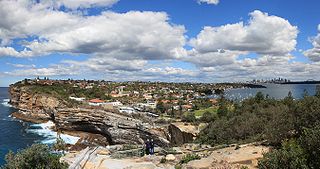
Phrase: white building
x=128 y=110
x=96 y=102
x=79 y=99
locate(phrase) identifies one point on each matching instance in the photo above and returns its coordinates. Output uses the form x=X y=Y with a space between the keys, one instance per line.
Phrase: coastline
x=46 y=128
x=65 y=134
x=28 y=118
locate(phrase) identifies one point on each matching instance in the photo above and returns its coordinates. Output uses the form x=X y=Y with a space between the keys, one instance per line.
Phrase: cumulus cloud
x=171 y=71
x=106 y=64
x=209 y=59
x=147 y=35
x=56 y=70
x=75 y=4
x=269 y=37
x=264 y=34
x=10 y=51
x=215 y=2
x=314 y=53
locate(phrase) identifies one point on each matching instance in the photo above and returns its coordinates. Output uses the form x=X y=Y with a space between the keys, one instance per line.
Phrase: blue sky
x=160 y=40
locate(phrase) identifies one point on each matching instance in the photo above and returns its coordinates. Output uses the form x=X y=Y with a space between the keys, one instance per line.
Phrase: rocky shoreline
x=28 y=118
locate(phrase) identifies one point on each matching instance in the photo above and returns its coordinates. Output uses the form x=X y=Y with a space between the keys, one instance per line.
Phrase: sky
x=159 y=40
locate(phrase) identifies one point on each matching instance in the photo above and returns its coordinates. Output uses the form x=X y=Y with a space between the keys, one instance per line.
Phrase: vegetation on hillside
x=63 y=91
x=291 y=127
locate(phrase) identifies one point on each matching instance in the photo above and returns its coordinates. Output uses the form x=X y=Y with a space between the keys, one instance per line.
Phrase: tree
x=318 y=91
x=223 y=107
x=37 y=156
x=259 y=97
x=160 y=107
x=189 y=117
x=208 y=117
x=288 y=100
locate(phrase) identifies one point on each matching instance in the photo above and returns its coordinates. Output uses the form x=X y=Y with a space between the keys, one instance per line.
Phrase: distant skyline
x=159 y=40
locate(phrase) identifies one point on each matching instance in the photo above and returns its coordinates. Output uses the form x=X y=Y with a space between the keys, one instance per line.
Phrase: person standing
x=147 y=147
x=151 y=147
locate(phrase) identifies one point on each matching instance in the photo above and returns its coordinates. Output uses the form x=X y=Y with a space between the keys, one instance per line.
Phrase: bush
x=310 y=141
x=290 y=156
x=189 y=157
x=189 y=117
x=178 y=166
x=208 y=117
x=163 y=160
x=37 y=156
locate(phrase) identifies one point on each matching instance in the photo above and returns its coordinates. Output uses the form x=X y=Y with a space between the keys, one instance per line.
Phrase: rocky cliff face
x=178 y=136
x=116 y=128
x=33 y=106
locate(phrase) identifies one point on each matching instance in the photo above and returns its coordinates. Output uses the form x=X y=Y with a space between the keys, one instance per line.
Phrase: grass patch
x=199 y=113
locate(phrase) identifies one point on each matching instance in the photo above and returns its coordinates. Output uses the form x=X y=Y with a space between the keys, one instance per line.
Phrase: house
x=79 y=99
x=96 y=102
x=112 y=105
x=128 y=110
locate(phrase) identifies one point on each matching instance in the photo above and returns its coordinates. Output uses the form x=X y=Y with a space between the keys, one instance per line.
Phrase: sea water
x=16 y=134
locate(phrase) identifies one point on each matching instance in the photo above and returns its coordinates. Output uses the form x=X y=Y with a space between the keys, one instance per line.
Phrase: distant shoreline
x=303 y=82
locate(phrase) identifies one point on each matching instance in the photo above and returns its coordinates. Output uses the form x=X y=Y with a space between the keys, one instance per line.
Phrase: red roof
x=96 y=101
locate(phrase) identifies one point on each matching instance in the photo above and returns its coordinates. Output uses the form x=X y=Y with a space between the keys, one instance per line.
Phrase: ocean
x=16 y=134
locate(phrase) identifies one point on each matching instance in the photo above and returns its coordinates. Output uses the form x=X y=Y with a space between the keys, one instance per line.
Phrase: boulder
x=170 y=157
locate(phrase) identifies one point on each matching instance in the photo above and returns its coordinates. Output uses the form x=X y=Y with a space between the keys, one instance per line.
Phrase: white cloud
x=16 y=65
x=215 y=2
x=209 y=59
x=145 y=35
x=171 y=71
x=106 y=64
x=264 y=34
x=10 y=51
x=49 y=71
x=314 y=53
x=74 y=4
x=131 y=35
x=270 y=38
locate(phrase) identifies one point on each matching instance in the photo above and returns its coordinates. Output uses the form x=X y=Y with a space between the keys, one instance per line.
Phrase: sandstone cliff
x=32 y=106
x=116 y=128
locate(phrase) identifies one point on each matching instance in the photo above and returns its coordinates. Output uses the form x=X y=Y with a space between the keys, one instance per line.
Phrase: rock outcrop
x=181 y=134
x=116 y=128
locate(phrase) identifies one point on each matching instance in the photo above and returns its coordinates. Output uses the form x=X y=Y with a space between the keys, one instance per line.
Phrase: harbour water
x=16 y=134
x=277 y=91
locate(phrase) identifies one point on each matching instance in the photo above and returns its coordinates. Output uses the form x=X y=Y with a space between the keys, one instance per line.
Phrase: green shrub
x=189 y=117
x=290 y=156
x=310 y=141
x=163 y=160
x=37 y=156
x=208 y=117
x=189 y=157
x=178 y=166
